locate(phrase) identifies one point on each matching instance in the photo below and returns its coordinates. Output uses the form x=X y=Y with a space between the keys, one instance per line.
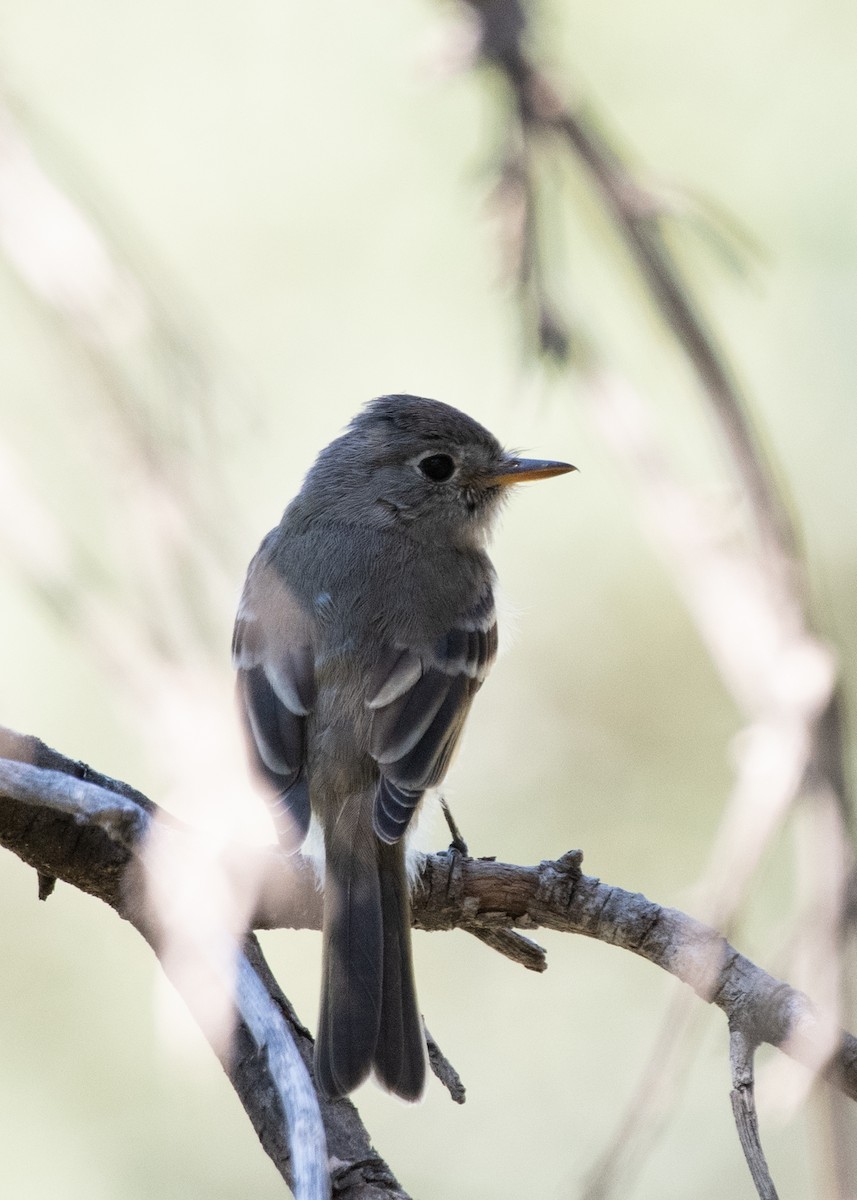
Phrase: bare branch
x=73 y=823
x=121 y=824
x=741 y=1051
x=357 y=1171
x=510 y=944
x=266 y=1068
x=747 y=594
x=144 y=345
x=294 y=1087
x=443 y=1069
x=453 y=893
x=492 y=929
x=638 y=215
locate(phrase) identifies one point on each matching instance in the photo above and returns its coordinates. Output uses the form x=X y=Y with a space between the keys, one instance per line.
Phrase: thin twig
x=741 y=1051
x=443 y=1069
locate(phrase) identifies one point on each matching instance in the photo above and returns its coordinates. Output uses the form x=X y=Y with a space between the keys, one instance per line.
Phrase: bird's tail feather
x=400 y=1055
x=369 y=1016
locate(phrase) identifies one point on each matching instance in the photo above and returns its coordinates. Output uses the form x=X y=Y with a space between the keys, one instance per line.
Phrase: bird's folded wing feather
x=273 y=657
x=420 y=697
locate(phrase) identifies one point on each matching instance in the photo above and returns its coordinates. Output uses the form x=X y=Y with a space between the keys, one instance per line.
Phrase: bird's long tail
x=369 y=1018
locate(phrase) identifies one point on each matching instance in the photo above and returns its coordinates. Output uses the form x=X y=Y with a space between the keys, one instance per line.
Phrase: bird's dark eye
x=437 y=467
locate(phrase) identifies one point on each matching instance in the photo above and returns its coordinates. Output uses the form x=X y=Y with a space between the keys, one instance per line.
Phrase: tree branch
x=45 y=820
x=76 y=824
x=783 y=676
x=741 y=1051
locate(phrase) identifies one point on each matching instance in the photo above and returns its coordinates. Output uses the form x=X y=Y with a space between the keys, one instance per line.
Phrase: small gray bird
x=365 y=629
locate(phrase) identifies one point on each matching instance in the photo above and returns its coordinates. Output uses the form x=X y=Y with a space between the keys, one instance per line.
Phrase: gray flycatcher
x=365 y=629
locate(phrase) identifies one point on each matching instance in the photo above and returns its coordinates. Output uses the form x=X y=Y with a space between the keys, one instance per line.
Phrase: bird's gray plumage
x=365 y=629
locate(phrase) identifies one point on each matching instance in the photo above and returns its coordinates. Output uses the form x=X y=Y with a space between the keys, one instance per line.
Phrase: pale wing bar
x=420 y=701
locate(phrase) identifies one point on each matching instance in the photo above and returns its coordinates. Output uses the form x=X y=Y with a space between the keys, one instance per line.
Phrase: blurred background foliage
x=298 y=202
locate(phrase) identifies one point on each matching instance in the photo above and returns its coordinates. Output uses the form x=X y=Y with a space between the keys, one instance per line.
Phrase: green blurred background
x=307 y=190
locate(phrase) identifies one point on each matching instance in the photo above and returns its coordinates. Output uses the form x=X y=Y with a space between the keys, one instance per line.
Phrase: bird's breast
x=364 y=586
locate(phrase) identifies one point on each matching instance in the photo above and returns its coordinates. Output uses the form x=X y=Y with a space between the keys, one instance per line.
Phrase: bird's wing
x=273 y=655
x=420 y=697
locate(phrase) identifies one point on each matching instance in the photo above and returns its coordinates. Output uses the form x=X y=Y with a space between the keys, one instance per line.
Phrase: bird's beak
x=519 y=470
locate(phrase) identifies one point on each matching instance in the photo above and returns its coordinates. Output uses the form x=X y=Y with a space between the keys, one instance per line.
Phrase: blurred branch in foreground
x=151 y=599
x=745 y=589
x=67 y=821
x=157 y=377
x=90 y=830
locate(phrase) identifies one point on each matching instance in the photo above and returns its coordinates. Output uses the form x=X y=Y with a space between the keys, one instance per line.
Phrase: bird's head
x=422 y=465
